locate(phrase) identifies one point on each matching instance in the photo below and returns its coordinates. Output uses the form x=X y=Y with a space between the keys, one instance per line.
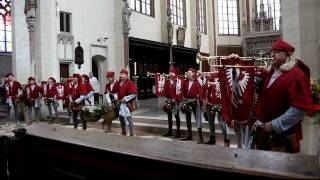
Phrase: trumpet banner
x=160 y=80
x=237 y=89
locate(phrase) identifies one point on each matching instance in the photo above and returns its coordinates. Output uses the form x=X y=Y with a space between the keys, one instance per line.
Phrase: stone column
x=31 y=18
x=170 y=34
x=301 y=28
x=126 y=13
x=32 y=21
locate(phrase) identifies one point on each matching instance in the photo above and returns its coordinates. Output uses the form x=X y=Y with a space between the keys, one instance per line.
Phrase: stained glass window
x=5 y=26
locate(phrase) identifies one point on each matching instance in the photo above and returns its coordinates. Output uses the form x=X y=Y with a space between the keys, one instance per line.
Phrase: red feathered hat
x=78 y=76
x=110 y=74
x=282 y=45
x=124 y=71
x=173 y=70
x=53 y=79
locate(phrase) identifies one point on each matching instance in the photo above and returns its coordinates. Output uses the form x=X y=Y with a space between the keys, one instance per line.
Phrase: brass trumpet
x=216 y=61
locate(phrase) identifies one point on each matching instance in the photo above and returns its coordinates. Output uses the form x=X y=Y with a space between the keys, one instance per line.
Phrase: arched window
x=5 y=26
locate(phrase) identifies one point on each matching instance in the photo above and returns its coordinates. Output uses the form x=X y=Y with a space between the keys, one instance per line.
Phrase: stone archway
x=98 y=66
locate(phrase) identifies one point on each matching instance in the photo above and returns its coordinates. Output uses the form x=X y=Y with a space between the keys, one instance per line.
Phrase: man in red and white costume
x=89 y=98
x=13 y=90
x=127 y=93
x=50 y=93
x=193 y=91
x=284 y=98
x=111 y=92
x=172 y=88
x=77 y=98
x=34 y=93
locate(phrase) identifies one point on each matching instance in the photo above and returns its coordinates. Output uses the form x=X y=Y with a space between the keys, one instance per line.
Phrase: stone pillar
x=126 y=13
x=170 y=34
x=301 y=28
x=20 y=41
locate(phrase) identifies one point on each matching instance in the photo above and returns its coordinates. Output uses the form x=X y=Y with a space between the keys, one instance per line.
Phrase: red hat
x=78 y=76
x=124 y=71
x=54 y=80
x=193 y=70
x=282 y=45
x=86 y=77
x=110 y=74
x=31 y=79
x=9 y=74
x=173 y=70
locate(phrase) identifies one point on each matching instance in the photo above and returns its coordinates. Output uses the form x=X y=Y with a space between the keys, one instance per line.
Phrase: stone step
x=151 y=126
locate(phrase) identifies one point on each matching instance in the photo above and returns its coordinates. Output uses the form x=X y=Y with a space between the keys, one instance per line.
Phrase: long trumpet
x=167 y=76
x=216 y=61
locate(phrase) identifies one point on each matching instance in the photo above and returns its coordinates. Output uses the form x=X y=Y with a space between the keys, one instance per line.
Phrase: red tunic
x=114 y=89
x=89 y=87
x=76 y=92
x=214 y=92
x=33 y=94
x=292 y=88
x=127 y=88
x=67 y=92
x=51 y=91
x=170 y=89
x=13 y=89
x=195 y=91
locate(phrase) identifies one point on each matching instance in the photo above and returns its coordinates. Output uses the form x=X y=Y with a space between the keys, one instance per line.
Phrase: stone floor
x=149 y=115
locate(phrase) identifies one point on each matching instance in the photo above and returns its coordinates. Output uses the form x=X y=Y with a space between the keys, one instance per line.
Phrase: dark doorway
x=153 y=57
x=95 y=70
x=64 y=72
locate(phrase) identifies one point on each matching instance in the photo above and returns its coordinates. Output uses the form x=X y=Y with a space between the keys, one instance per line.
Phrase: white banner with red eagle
x=237 y=89
x=160 y=81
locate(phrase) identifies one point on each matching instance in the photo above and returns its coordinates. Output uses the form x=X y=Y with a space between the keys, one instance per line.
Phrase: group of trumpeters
x=192 y=95
x=76 y=94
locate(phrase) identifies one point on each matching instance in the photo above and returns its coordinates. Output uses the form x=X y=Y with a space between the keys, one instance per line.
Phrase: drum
x=91 y=113
x=111 y=113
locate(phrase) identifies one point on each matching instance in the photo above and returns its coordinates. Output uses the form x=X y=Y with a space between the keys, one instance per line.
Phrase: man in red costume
x=111 y=92
x=89 y=100
x=193 y=92
x=13 y=91
x=77 y=98
x=67 y=93
x=284 y=98
x=34 y=93
x=172 y=88
x=127 y=94
x=50 y=93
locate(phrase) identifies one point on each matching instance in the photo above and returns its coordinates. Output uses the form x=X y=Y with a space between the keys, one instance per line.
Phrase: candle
x=135 y=68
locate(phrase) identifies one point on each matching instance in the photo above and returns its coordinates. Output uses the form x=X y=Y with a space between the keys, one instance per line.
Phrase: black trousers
x=177 y=117
x=188 y=119
x=76 y=122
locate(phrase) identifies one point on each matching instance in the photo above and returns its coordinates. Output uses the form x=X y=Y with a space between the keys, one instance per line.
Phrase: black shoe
x=177 y=135
x=123 y=133
x=187 y=138
x=200 y=141
x=226 y=143
x=212 y=140
x=167 y=134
